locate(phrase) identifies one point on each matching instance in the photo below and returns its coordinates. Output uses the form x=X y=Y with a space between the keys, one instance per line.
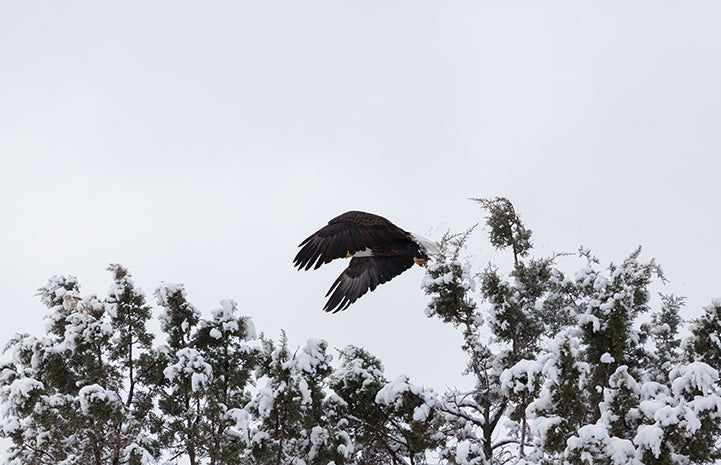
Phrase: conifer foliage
x=580 y=367
x=564 y=370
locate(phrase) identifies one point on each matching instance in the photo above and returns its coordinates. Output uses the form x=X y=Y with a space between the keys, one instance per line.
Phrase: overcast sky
x=200 y=142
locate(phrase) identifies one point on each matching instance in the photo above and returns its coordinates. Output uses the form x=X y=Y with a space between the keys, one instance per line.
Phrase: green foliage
x=705 y=342
x=449 y=283
x=506 y=229
x=567 y=408
x=298 y=421
x=613 y=305
x=663 y=331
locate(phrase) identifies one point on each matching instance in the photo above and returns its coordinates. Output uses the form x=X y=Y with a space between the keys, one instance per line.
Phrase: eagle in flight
x=378 y=249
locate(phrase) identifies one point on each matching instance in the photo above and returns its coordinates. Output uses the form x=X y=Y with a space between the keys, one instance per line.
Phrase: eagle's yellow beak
x=420 y=262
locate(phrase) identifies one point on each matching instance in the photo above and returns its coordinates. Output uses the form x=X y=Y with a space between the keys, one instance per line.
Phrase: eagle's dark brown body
x=379 y=249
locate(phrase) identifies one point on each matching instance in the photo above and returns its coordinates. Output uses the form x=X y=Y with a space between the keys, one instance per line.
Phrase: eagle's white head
x=430 y=247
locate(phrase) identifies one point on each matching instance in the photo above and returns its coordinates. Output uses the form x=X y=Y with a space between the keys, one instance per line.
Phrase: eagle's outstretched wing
x=362 y=275
x=345 y=235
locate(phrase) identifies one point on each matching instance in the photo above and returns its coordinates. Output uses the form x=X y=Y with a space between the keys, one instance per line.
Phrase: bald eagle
x=378 y=249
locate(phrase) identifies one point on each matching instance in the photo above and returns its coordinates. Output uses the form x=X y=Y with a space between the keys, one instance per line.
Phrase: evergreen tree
x=663 y=331
x=705 y=341
x=562 y=403
x=531 y=303
x=290 y=408
x=64 y=391
x=680 y=420
x=357 y=381
x=130 y=349
x=178 y=396
x=392 y=422
x=227 y=343
x=613 y=305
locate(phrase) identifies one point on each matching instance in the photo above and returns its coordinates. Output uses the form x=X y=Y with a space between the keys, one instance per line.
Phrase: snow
x=467 y=280
x=165 y=291
x=313 y=355
x=136 y=453
x=443 y=279
x=587 y=318
x=241 y=422
x=250 y=332
x=521 y=377
x=226 y=315
x=594 y=440
x=259 y=437
x=421 y=412
x=621 y=452
x=649 y=437
x=215 y=333
x=94 y=394
x=10 y=425
x=24 y=387
x=462 y=450
x=542 y=425
x=678 y=405
x=346 y=447
x=190 y=367
x=600 y=283
x=694 y=377
x=264 y=400
x=306 y=398
x=19 y=392
x=392 y=392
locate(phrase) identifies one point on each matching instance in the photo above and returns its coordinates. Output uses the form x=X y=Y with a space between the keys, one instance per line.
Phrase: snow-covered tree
x=561 y=406
x=704 y=344
x=392 y=422
x=356 y=383
x=502 y=340
x=177 y=384
x=681 y=419
x=227 y=343
x=289 y=414
x=663 y=331
x=613 y=304
x=67 y=394
x=130 y=349
x=206 y=369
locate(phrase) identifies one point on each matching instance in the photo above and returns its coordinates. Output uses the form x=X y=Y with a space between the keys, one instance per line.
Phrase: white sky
x=200 y=142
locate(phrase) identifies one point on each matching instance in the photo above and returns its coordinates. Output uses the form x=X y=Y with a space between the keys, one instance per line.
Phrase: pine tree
x=290 y=408
x=681 y=420
x=69 y=377
x=705 y=341
x=663 y=331
x=227 y=343
x=561 y=406
x=356 y=382
x=130 y=349
x=613 y=305
x=532 y=303
x=178 y=396
x=393 y=422
x=60 y=378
